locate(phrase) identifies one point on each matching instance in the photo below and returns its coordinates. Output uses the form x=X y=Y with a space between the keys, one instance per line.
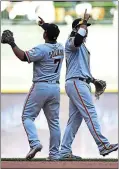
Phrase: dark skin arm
x=7 y=37
x=20 y=54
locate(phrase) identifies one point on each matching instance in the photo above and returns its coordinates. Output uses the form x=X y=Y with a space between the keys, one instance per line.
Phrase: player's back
x=48 y=62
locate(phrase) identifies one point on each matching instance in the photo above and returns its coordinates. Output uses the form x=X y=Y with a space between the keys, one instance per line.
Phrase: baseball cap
x=52 y=30
x=77 y=22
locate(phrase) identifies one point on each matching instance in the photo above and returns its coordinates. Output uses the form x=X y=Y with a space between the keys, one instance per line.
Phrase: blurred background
x=21 y=18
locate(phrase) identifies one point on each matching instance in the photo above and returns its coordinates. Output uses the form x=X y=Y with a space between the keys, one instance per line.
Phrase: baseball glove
x=7 y=37
x=100 y=87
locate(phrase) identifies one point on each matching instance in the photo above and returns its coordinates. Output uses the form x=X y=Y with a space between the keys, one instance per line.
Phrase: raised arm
x=80 y=30
x=7 y=38
x=32 y=55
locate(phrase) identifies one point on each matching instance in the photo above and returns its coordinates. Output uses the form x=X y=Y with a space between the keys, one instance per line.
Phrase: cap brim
x=88 y=24
x=45 y=26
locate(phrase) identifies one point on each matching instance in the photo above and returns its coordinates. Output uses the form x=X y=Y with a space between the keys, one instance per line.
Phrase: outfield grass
x=44 y=159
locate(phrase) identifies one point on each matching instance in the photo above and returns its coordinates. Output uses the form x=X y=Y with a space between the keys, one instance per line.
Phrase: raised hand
x=41 y=21
x=86 y=15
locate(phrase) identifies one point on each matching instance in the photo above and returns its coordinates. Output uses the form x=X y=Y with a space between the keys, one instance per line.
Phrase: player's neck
x=52 y=42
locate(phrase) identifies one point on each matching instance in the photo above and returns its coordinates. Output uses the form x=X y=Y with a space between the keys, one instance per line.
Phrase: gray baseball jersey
x=47 y=60
x=77 y=60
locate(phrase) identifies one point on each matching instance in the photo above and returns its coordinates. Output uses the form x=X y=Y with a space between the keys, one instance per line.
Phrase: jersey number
x=57 y=61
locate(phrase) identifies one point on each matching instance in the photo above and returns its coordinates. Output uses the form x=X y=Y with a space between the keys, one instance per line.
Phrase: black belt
x=49 y=81
x=82 y=79
x=85 y=80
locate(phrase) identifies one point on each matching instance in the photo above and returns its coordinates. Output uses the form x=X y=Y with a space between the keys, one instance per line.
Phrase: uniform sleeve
x=75 y=42
x=34 y=54
x=70 y=44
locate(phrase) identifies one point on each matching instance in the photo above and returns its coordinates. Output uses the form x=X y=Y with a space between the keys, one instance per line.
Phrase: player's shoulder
x=40 y=46
x=54 y=45
x=60 y=45
x=68 y=41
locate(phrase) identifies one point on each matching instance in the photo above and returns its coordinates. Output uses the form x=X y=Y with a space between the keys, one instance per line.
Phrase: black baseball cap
x=52 y=30
x=77 y=22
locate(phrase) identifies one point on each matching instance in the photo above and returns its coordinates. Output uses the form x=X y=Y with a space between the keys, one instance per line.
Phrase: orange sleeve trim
x=27 y=55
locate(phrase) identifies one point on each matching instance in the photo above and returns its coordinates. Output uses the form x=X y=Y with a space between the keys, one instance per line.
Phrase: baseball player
x=45 y=92
x=78 y=77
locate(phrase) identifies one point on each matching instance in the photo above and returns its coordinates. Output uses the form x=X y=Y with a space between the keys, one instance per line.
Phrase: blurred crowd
x=59 y=12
